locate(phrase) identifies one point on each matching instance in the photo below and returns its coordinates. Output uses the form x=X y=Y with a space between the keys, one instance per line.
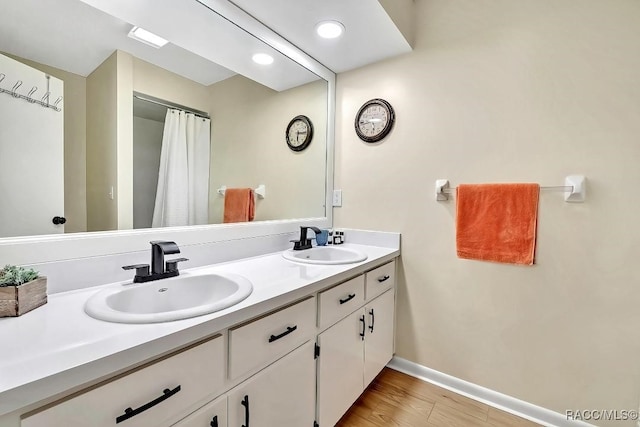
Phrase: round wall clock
x=299 y=133
x=374 y=120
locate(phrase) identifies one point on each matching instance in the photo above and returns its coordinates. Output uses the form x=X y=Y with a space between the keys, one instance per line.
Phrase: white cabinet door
x=340 y=367
x=281 y=395
x=213 y=414
x=378 y=343
x=32 y=155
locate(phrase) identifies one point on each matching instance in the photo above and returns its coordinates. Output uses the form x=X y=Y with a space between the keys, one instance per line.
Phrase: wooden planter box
x=17 y=300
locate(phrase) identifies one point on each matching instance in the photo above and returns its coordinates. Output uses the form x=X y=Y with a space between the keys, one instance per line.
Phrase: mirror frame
x=59 y=247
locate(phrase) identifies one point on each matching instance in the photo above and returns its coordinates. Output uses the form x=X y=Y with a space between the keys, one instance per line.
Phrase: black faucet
x=304 y=242
x=159 y=270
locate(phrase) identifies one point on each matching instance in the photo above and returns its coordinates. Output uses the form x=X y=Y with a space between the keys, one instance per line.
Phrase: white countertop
x=58 y=347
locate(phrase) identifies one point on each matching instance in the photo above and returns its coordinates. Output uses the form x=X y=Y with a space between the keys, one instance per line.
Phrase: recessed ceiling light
x=147 y=37
x=262 y=59
x=329 y=29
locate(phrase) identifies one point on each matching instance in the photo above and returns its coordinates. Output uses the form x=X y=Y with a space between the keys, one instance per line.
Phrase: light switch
x=337 y=198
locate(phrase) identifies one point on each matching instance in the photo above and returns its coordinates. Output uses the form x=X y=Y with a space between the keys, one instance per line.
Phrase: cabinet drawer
x=340 y=301
x=380 y=279
x=155 y=393
x=259 y=342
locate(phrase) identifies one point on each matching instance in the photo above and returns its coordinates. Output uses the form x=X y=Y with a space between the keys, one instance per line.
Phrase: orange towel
x=239 y=205
x=497 y=222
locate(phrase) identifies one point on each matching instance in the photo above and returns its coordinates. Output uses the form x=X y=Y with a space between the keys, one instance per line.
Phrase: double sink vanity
x=290 y=339
x=256 y=335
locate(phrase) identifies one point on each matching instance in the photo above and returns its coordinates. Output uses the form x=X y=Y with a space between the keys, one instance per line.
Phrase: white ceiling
x=370 y=34
x=194 y=27
x=75 y=37
x=78 y=35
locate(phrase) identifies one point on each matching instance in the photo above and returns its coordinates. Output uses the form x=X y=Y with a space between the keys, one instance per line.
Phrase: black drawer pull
x=284 y=334
x=347 y=299
x=364 y=328
x=373 y=320
x=214 y=422
x=245 y=403
x=384 y=278
x=130 y=413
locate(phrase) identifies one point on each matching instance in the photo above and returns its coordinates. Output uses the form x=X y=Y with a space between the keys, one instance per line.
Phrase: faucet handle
x=141 y=269
x=172 y=264
x=299 y=245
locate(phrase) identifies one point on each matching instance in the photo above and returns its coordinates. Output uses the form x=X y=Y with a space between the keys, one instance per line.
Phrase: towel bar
x=260 y=191
x=574 y=187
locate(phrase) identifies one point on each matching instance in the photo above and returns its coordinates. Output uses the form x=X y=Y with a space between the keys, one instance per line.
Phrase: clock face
x=374 y=120
x=299 y=133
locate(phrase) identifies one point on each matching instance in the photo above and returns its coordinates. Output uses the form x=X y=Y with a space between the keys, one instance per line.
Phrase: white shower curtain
x=182 y=196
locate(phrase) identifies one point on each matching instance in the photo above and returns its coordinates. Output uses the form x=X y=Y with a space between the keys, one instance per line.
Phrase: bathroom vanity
x=297 y=352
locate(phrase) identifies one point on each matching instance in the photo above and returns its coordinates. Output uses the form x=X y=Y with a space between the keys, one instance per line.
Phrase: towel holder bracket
x=442 y=187
x=574 y=188
x=578 y=188
x=260 y=191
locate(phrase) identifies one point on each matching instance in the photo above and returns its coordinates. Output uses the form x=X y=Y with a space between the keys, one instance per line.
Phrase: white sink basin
x=164 y=300
x=326 y=255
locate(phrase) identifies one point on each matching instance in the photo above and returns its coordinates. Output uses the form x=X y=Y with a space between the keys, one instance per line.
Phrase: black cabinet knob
x=59 y=220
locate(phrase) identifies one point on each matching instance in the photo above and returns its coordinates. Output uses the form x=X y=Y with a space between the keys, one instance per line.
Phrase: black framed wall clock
x=374 y=120
x=299 y=133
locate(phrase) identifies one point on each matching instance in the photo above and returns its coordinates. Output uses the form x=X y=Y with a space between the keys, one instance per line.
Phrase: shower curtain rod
x=169 y=104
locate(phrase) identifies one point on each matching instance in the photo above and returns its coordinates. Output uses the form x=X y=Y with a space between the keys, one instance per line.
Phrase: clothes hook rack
x=44 y=102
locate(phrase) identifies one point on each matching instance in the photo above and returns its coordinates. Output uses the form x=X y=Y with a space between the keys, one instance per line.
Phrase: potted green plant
x=21 y=290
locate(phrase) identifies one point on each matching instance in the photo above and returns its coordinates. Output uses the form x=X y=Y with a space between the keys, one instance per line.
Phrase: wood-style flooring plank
x=498 y=418
x=434 y=393
x=397 y=400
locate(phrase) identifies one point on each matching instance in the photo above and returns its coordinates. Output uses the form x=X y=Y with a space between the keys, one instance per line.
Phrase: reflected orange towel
x=239 y=205
x=497 y=222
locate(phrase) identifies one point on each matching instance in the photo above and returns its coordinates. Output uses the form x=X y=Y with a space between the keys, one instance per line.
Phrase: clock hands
x=299 y=133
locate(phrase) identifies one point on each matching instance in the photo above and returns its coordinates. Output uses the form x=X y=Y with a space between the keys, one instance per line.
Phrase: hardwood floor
x=396 y=399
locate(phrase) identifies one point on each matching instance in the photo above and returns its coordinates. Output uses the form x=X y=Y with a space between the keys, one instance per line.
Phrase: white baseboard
x=492 y=398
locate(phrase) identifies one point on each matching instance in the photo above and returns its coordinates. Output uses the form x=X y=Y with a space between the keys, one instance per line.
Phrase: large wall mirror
x=95 y=132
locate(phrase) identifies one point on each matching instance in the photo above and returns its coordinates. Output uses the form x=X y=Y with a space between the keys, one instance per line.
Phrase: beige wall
x=508 y=91
x=124 y=150
x=102 y=138
x=75 y=144
x=248 y=147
